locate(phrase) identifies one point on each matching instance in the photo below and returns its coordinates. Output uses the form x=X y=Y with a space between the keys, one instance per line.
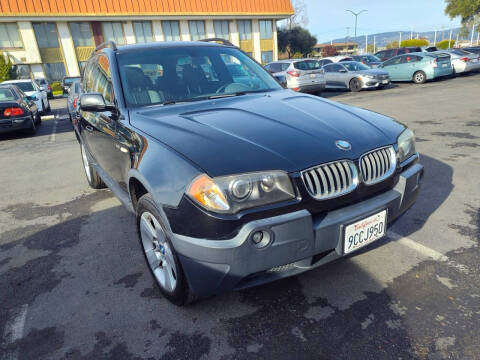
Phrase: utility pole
x=374 y=44
x=400 y=39
x=411 y=32
x=356 y=18
x=435 y=38
x=450 y=39
x=473 y=33
x=366 y=43
x=478 y=36
x=457 y=38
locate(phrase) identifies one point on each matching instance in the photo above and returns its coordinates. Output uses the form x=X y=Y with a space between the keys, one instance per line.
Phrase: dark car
x=234 y=186
x=17 y=110
x=384 y=55
x=368 y=59
x=45 y=86
x=67 y=81
x=473 y=49
x=72 y=100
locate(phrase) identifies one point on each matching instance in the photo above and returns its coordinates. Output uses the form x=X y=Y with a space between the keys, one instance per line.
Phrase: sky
x=328 y=19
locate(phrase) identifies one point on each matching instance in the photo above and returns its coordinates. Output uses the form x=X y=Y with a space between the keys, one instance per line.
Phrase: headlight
x=230 y=194
x=369 y=76
x=406 y=145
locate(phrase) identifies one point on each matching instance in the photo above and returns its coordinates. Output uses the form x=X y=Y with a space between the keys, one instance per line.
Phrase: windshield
x=6 y=95
x=460 y=52
x=25 y=86
x=189 y=73
x=41 y=81
x=355 y=66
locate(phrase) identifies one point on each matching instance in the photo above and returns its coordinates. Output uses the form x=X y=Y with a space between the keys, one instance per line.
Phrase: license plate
x=312 y=76
x=364 y=232
x=384 y=81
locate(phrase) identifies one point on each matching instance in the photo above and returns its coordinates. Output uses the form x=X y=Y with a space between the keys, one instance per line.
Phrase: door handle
x=89 y=128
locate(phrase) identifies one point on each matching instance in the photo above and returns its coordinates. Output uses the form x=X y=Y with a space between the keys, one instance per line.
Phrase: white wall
x=184 y=30
x=66 y=43
x=257 y=53
x=209 y=29
x=29 y=54
x=275 y=41
x=129 y=33
x=157 y=31
x=234 y=37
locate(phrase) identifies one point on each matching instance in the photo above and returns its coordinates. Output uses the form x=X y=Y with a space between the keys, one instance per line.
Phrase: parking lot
x=74 y=283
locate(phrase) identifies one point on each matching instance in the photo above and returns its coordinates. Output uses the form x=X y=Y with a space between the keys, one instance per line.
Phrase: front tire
x=94 y=180
x=160 y=255
x=419 y=77
x=355 y=85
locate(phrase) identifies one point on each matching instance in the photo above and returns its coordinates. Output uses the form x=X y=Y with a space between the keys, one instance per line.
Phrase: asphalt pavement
x=74 y=283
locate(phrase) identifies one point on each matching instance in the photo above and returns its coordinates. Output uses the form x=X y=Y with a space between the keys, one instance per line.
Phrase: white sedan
x=463 y=61
x=31 y=88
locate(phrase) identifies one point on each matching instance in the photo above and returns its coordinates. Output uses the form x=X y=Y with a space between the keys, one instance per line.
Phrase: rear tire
x=33 y=128
x=419 y=77
x=38 y=119
x=93 y=179
x=48 y=107
x=160 y=255
x=454 y=74
x=355 y=85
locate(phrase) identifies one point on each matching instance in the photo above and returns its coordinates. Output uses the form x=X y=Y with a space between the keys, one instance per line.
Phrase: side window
x=103 y=79
x=393 y=61
x=401 y=51
x=328 y=68
x=337 y=68
x=275 y=67
x=87 y=76
x=412 y=58
x=285 y=66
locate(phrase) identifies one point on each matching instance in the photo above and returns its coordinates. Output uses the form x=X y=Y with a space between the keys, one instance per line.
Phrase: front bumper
x=8 y=125
x=300 y=242
x=374 y=83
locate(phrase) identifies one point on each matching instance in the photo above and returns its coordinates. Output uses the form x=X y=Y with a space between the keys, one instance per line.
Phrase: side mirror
x=94 y=102
x=32 y=98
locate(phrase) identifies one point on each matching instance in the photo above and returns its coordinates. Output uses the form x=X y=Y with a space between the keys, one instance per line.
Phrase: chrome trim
x=374 y=168
x=322 y=181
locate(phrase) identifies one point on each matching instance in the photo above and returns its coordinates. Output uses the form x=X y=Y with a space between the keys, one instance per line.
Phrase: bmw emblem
x=343 y=145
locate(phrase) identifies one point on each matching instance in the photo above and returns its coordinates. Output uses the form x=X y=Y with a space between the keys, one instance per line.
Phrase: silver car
x=72 y=100
x=354 y=76
x=303 y=75
x=462 y=61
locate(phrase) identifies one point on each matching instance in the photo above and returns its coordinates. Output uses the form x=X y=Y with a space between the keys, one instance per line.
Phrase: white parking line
x=52 y=136
x=14 y=329
x=428 y=252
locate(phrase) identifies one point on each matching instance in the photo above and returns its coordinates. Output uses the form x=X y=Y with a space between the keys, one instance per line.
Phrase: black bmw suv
x=234 y=180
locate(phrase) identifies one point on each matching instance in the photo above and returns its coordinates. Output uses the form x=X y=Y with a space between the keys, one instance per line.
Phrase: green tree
x=393 y=44
x=414 y=42
x=444 y=44
x=465 y=9
x=370 y=48
x=5 y=68
x=296 y=40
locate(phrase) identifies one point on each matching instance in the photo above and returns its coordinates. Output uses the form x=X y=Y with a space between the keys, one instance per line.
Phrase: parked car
x=67 y=81
x=31 y=88
x=303 y=75
x=429 y=48
x=233 y=187
x=72 y=100
x=18 y=111
x=384 y=55
x=337 y=58
x=463 y=61
x=418 y=67
x=473 y=49
x=355 y=76
x=368 y=59
x=45 y=86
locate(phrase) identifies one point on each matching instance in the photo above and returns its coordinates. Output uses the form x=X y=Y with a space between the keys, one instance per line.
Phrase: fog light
x=257 y=237
x=261 y=238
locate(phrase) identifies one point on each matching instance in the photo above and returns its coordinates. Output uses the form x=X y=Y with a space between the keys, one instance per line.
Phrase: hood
x=279 y=130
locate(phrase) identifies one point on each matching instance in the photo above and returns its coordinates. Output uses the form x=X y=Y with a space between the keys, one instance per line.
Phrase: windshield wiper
x=219 y=96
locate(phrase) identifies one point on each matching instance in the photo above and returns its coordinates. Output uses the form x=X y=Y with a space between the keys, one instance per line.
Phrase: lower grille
x=281 y=268
x=377 y=165
x=331 y=180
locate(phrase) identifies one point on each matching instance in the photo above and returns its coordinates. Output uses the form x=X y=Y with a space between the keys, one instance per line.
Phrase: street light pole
x=356 y=16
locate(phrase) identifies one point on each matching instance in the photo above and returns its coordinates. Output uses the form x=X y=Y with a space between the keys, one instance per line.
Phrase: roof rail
x=105 y=44
x=218 y=40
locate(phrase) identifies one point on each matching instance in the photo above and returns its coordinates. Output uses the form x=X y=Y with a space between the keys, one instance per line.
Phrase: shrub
x=414 y=42
x=56 y=87
x=392 y=45
x=444 y=44
x=5 y=68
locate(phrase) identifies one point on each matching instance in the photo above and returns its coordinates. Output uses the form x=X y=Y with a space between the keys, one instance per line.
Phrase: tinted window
x=386 y=54
x=394 y=61
x=7 y=95
x=401 y=51
x=285 y=66
x=102 y=79
x=275 y=67
x=337 y=67
x=412 y=58
x=325 y=62
x=329 y=68
x=301 y=65
x=188 y=74
x=313 y=64
x=25 y=86
x=42 y=81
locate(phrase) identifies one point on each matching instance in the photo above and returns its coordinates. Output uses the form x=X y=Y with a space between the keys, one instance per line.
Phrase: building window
x=245 y=29
x=197 y=29
x=46 y=35
x=113 y=31
x=22 y=71
x=54 y=71
x=143 y=31
x=221 y=29
x=266 y=29
x=81 y=34
x=171 y=30
x=9 y=36
x=267 y=57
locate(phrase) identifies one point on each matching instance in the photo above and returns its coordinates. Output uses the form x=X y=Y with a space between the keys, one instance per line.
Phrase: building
x=342 y=48
x=54 y=38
